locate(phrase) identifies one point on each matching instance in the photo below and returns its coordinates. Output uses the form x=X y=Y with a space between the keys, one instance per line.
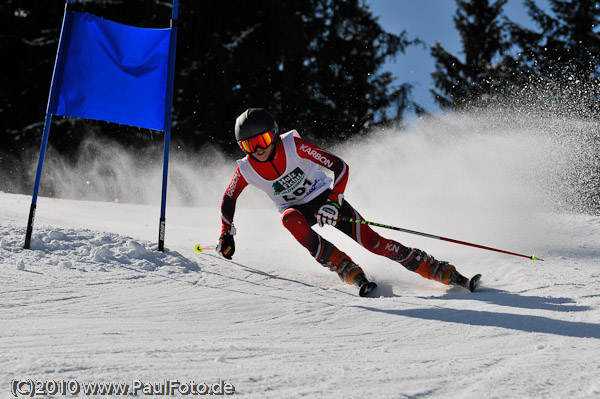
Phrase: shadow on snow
x=527 y=323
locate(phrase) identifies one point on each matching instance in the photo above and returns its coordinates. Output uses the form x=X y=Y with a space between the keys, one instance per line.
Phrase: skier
x=286 y=168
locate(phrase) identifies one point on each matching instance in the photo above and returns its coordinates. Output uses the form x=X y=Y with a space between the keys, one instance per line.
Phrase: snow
x=93 y=300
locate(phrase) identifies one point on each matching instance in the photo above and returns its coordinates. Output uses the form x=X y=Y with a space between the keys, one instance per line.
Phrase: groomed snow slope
x=93 y=301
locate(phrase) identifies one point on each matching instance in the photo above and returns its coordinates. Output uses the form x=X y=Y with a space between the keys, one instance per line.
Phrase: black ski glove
x=226 y=246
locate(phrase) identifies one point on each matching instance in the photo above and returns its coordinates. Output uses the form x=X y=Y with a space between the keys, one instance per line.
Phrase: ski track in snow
x=102 y=306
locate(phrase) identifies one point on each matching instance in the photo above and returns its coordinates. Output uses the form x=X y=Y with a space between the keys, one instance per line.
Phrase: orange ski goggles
x=263 y=140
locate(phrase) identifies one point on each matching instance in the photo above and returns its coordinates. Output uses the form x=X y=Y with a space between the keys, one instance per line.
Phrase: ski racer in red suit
x=286 y=168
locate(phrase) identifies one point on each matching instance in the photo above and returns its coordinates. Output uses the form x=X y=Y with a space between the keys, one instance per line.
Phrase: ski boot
x=348 y=271
x=427 y=266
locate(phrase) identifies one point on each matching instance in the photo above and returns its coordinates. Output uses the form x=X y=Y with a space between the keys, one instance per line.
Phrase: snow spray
x=490 y=175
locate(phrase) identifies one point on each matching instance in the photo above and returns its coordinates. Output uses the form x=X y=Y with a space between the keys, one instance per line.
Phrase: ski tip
x=474 y=282
x=366 y=288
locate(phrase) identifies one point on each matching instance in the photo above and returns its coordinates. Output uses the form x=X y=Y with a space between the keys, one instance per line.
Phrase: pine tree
x=558 y=68
x=316 y=64
x=484 y=39
x=561 y=61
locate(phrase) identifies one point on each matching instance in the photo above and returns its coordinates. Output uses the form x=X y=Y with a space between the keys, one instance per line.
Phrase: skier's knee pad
x=295 y=222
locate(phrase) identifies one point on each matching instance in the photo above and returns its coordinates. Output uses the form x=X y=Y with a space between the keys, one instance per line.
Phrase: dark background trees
x=559 y=60
x=316 y=62
x=484 y=38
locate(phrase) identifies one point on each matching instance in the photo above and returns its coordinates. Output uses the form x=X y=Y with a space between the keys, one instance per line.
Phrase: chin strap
x=276 y=141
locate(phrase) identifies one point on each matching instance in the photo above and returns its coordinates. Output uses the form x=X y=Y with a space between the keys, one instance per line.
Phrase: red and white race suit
x=293 y=181
x=295 y=184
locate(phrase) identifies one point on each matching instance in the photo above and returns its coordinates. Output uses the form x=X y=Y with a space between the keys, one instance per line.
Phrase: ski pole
x=359 y=221
x=199 y=248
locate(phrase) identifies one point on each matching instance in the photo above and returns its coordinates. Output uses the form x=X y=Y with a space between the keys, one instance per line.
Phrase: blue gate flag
x=112 y=72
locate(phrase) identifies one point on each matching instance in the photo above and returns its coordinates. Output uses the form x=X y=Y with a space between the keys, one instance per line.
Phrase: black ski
x=474 y=282
x=366 y=288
